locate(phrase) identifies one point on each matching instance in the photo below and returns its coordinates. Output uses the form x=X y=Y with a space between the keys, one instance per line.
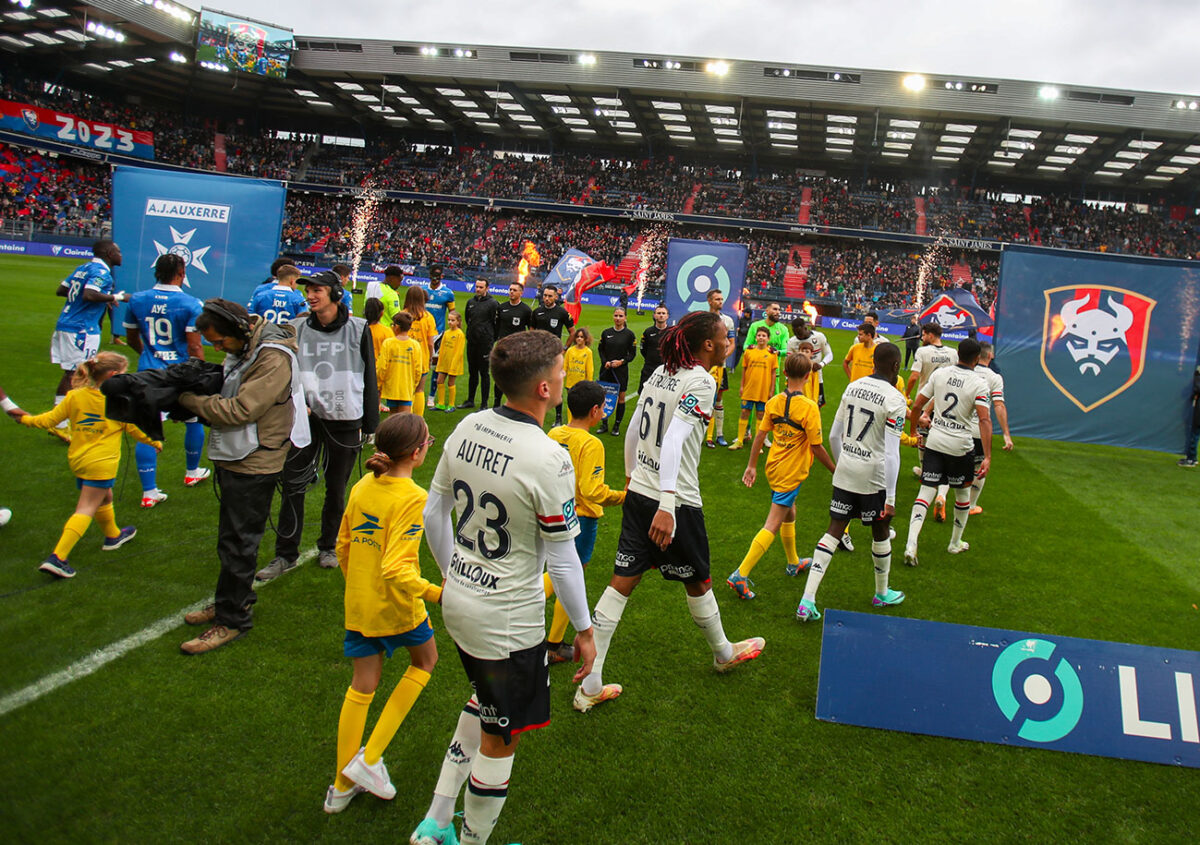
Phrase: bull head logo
x=1094 y=341
x=1094 y=337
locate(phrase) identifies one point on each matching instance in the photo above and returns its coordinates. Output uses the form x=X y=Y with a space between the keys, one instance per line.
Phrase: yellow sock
x=758 y=547
x=712 y=424
x=419 y=403
x=743 y=424
x=106 y=518
x=787 y=536
x=451 y=395
x=351 y=725
x=441 y=393
x=547 y=584
x=558 y=625
x=75 y=528
x=403 y=697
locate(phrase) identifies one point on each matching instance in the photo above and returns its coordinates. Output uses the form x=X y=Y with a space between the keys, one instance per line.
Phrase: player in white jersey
x=865 y=442
x=822 y=352
x=662 y=524
x=513 y=489
x=995 y=385
x=932 y=356
x=957 y=395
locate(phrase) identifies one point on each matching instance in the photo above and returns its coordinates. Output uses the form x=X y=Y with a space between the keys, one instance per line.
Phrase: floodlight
x=914 y=82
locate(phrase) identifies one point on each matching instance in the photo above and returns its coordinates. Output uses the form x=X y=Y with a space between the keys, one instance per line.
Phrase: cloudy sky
x=1148 y=45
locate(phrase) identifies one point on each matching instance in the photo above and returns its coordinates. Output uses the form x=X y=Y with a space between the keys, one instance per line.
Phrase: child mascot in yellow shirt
x=398 y=366
x=94 y=455
x=795 y=422
x=385 y=603
x=450 y=361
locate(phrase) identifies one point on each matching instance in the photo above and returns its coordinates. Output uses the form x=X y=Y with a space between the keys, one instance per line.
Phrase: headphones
x=239 y=322
x=331 y=280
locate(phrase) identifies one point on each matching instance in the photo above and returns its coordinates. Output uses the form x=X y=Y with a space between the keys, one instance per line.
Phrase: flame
x=810 y=310
x=529 y=258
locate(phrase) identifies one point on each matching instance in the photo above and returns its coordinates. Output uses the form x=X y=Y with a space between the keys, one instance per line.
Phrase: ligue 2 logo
x=1038 y=690
x=699 y=275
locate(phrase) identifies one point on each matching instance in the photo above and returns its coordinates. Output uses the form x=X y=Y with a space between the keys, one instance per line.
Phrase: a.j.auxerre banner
x=1098 y=348
x=1010 y=687
x=225 y=228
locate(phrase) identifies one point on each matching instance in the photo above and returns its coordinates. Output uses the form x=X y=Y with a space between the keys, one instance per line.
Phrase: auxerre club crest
x=1094 y=341
x=203 y=214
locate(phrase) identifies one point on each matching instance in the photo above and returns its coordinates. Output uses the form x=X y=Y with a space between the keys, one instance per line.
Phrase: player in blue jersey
x=270 y=281
x=281 y=303
x=439 y=300
x=88 y=291
x=160 y=325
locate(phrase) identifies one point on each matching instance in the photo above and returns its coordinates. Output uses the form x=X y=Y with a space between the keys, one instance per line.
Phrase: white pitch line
x=103 y=656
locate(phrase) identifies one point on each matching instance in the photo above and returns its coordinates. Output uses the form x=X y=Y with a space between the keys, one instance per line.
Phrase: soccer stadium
x=284 y=281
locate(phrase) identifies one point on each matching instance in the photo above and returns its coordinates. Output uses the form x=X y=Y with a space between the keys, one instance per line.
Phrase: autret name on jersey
x=484 y=457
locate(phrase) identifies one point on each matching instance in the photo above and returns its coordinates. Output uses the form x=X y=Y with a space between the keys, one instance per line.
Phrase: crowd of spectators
x=56 y=195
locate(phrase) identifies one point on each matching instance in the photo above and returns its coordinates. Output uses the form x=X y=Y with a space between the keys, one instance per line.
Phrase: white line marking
x=103 y=656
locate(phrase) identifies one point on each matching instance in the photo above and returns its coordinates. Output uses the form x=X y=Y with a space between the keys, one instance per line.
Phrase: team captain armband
x=896 y=424
x=689 y=405
x=559 y=522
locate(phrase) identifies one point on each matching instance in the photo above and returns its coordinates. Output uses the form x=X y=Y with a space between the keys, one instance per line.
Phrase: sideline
x=103 y=656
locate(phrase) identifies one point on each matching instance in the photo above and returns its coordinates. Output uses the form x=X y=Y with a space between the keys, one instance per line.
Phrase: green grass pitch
x=238 y=745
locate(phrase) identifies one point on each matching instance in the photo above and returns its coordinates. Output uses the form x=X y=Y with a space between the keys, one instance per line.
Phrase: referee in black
x=512 y=316
x=481 y=334
x=551 y=316
x=651 y=359
x=618 y=346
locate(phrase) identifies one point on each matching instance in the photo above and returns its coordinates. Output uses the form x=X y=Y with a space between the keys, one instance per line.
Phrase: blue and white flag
x=565 y=274
x=225 y=228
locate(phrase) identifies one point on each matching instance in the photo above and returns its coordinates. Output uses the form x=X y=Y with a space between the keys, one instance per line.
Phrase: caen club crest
x=1094 y=341
x=30 y=116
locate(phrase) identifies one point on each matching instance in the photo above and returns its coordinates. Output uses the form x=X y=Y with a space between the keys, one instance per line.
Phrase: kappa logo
x=699 y=275
x=369 y=525
x=181 y=246
x=89 y=420
x=1039 y=691
x=30 y=116
x=1094 y=341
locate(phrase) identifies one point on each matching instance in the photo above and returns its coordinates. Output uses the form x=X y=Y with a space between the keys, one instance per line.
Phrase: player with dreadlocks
x=662 y=453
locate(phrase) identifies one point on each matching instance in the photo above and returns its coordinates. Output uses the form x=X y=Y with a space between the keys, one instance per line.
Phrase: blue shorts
x=102 y=483
x=397 y=404
x=751 y=405
x=356 y=645
x=786 y=499
x=585 y=540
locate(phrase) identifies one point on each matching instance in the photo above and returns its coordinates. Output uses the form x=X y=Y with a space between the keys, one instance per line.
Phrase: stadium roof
x=834 y=119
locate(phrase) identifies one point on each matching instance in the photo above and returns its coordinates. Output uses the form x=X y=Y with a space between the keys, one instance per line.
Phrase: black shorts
x=978 y=453
x=685 y=559
x=724 y=385
x=513 y=694
x=619 y=377
x=955 y=470
x=846 y=506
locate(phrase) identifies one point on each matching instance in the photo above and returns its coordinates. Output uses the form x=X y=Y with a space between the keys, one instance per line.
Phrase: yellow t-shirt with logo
x=578 y=365
x=758 y=374
x=450 y=354
x=862 y=360
x=423 y=331
x=377 y=550
x=95 y=450
x=592 y=495
x=795 y=427
x=398 y=369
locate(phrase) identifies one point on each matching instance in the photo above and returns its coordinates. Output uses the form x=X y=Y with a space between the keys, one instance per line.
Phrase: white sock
x=881 y=552
x=604 y=620
x=707 y=615
x=962 y=510
x=822 y=556
x=457 y=765
x=487 y=790
x=57 y=400
x=718 y=422
x=942 y=490
x=976 y=489
x=917 y=520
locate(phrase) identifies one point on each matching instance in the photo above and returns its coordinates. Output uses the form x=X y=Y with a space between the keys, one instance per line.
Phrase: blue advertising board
x=1010 y=687
x=226 y=229
x=1098 y=348
x=696 y=268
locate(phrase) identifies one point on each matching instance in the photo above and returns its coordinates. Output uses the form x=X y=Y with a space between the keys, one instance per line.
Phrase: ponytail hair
x=396 y=439
x=679 y=344
x=97 y=368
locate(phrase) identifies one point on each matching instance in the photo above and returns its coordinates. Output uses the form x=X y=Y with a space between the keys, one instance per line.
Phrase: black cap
x=326 y=278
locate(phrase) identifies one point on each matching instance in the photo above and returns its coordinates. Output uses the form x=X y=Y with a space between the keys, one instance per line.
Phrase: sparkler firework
x=932 y=257
x=364 y=215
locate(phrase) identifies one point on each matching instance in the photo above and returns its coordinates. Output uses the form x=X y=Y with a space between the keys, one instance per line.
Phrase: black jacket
x=481 y=318
x=553 y=320
x=511 y=319
x=143 y=397
x=651 y=357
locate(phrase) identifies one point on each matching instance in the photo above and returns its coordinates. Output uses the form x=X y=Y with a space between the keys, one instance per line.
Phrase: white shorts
x=70 y=349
